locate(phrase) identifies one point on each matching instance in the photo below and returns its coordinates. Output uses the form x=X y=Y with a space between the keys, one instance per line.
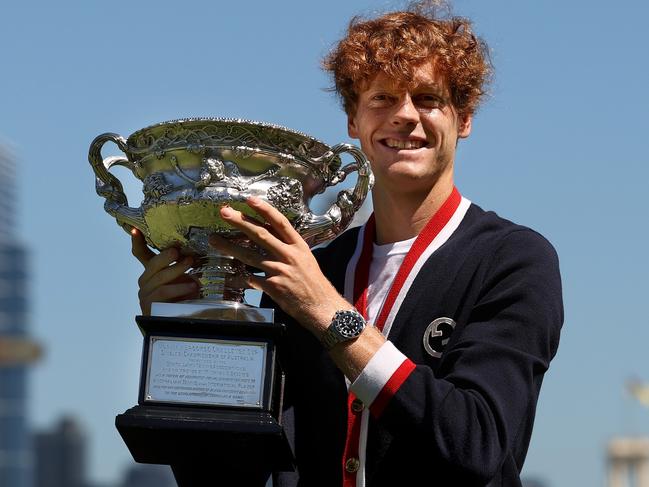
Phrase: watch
x=345 y=325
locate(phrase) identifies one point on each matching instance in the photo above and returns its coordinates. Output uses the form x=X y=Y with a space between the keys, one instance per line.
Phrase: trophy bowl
x=190 y=168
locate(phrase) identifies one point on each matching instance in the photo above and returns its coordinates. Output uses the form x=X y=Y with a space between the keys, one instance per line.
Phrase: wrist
x=319 y=317
x=345 y=326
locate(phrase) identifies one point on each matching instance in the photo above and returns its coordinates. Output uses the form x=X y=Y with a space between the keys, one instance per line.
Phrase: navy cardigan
x=462 y=419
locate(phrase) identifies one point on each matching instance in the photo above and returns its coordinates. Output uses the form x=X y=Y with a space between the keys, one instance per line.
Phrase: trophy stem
x=221 y=279
x=217 y=274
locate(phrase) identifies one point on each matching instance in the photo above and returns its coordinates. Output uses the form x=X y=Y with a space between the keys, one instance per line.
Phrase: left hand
x=293 y=278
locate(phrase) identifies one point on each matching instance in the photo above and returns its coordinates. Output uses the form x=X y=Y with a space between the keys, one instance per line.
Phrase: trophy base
x=213 y=310
x=210 y=401
x=237 y=441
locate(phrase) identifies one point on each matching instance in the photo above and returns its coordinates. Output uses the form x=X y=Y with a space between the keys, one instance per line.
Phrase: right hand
x=164 y=278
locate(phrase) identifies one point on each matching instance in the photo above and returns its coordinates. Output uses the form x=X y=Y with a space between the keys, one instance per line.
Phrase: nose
x=406 y=112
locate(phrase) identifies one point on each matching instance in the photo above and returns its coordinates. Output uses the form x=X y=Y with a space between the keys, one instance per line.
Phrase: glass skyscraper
x=17 y=351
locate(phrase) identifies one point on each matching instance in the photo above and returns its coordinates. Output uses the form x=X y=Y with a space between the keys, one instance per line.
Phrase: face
x=409 y=133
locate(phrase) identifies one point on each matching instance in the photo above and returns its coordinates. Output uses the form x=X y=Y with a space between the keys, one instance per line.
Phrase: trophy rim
x=225 y=120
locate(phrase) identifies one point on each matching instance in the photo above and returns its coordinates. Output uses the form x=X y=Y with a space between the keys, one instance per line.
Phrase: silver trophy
x=191 y=168
x=211 y=382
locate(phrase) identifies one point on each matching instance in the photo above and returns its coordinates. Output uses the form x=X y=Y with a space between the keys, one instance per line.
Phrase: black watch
x=345 y=325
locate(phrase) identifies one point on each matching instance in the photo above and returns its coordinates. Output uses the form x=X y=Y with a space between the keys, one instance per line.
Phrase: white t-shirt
x=386 y=260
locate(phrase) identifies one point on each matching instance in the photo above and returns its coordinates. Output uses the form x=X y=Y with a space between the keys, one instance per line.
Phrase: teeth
x=404 y=144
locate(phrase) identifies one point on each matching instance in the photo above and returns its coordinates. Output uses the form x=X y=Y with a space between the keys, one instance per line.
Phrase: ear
x=464 y=125
x=352 y=130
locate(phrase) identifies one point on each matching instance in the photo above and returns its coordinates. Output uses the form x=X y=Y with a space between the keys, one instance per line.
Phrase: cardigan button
x=357 y=405
x=352 y=465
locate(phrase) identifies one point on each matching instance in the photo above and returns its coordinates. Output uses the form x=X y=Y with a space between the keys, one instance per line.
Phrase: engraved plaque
x=205 y=371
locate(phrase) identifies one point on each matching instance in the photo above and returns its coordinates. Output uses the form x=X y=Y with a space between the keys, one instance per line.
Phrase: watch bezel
x=345 y=325
x=348 y=323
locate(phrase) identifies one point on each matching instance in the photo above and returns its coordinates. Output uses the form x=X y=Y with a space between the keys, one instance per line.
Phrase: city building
x=17 y=350
x=140 y=475
x=60 y=455
x=628 y=462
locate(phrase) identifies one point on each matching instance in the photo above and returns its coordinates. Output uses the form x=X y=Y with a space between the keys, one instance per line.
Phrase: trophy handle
x=316 y=229
x=111 y=188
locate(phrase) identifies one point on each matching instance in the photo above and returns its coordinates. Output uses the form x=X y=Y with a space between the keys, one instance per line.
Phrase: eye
x=429 y=101
x=381 y=99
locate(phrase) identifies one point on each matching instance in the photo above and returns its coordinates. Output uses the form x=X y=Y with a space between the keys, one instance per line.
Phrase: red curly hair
x=398 y=43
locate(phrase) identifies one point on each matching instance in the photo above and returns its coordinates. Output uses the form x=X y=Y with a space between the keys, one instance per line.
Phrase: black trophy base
x=207 y=447
x=237 y=443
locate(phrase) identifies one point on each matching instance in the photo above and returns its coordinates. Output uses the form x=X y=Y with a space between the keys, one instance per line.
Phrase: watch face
x=349 y=324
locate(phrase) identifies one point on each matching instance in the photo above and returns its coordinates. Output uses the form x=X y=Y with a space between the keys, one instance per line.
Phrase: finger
x=257 y=282
x=139 y=248
x=150 y=280
x=189 y=283
x=279 y=223
x=158 y=262
x=168 y=293
x=255 y=231
x=246 y=255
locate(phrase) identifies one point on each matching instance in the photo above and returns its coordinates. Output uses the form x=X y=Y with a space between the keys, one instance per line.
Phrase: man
x=417 y=343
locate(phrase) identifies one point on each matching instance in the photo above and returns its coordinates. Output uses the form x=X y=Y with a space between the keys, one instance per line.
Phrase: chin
x=406 y=182
x=406 y=177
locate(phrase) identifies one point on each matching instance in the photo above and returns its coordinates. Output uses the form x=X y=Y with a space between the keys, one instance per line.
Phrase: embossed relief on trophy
x=189 y=169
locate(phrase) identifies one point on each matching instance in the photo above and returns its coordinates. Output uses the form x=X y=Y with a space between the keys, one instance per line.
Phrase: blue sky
x=560 y=146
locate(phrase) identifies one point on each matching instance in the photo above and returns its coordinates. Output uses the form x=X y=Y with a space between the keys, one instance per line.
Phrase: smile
x=404 y=144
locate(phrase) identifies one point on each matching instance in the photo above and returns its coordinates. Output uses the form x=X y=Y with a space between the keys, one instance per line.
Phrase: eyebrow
x=427 y=86
x=431 y=86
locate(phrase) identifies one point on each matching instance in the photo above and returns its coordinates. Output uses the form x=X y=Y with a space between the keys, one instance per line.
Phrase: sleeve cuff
x=382 y=377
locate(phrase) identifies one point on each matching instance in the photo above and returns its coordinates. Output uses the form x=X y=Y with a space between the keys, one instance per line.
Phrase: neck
x=401 y=216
